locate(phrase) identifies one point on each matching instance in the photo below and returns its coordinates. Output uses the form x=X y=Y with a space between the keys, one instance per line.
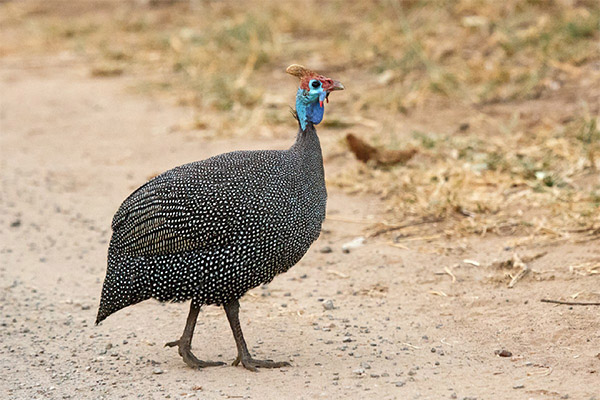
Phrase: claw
x=252 y=364
x=189 y=358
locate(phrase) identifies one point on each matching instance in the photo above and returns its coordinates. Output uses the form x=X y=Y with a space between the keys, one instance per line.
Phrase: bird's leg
x=232 y=310
x=185 y=342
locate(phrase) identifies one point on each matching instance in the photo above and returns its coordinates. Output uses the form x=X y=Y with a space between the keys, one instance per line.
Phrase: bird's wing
x=187 y=209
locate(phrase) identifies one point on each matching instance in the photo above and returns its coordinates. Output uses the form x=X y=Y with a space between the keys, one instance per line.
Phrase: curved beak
x=337 y=85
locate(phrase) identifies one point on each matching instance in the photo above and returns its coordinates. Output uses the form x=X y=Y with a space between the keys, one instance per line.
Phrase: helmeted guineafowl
x=211 y=230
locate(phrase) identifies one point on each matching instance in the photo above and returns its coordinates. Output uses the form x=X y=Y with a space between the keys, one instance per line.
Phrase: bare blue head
x=312 y=94
x=309 y=103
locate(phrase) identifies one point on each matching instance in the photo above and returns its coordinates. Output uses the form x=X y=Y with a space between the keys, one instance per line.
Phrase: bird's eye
x=315 y=84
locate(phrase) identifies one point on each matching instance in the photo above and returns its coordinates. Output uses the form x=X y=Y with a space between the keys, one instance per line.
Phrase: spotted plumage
x=211 y=230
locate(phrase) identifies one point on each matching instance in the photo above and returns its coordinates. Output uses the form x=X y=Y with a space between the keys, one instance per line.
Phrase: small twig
x=337 y=273
x=422 y=238
x=351 y=220
x=534 y=257
x=438 y=293
x=570 y=303
x=411 y=345
x=449 y=272
x=398 y=245
x=517 y=262
x=398 y=227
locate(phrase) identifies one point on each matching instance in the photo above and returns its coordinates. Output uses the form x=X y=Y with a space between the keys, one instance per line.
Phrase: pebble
x=519 y=386
x=328 y=305
x=400 y=383
x=326 y=250
x=503 y=353
x=157 y=371
x=359 y=371
x=347 y=339
x=354 y=244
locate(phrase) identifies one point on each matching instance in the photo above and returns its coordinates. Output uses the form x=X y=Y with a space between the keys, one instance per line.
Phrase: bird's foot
x=251 y=363
x=189 y=358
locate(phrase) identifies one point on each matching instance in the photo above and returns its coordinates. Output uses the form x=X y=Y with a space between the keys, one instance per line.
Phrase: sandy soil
x=72 y=148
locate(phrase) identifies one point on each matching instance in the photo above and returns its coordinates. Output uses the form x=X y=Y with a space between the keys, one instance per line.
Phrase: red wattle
x=321 y=103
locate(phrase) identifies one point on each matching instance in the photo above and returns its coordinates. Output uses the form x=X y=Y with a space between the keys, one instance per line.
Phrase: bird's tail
x=121 y=286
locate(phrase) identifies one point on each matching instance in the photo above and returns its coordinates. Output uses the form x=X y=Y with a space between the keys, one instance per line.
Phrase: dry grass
x=498 y=97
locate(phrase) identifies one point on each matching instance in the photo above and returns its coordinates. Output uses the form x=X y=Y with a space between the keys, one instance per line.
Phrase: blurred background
x=499 y=100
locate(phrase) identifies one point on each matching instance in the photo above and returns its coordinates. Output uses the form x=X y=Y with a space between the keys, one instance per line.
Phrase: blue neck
x=308 y=108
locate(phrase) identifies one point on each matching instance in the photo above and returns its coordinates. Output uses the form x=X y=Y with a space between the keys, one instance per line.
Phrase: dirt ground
x=409 y=322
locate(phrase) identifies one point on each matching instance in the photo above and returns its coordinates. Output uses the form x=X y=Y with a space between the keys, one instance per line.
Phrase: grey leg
x=232 y=310
x=185 y=342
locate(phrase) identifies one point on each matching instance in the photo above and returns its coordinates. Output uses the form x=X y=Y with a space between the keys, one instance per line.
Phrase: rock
x=503 y=353
x=328 y=305
x=346 y=339
x=400 y=383
x=518 y=386
x=326 y=250
x=359 y=371
x=157 y=371
x=386 y=77
x=354 y=244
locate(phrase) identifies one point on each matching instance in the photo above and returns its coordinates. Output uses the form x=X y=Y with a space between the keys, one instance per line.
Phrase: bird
x=211 y=230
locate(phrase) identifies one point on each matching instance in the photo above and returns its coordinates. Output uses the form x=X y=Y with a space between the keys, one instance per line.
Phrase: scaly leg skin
x=185 y=342
x=232 y=310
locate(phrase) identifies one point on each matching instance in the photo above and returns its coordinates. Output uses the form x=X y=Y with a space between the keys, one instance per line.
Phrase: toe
x=252 y=364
